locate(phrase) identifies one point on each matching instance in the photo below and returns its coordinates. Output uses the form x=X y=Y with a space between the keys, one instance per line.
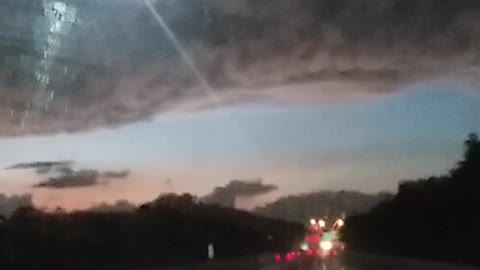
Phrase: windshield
x=237 y=123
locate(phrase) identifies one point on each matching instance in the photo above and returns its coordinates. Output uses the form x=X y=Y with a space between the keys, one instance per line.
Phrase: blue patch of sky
x=431 y=117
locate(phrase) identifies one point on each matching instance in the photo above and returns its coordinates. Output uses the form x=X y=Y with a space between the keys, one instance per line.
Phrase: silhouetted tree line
x=436 y=218
x=172 y=229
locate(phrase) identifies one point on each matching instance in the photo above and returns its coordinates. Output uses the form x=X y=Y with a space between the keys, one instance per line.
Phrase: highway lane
x=347 y=261
x=362 y=261
x=267 y=262
x=343 y=262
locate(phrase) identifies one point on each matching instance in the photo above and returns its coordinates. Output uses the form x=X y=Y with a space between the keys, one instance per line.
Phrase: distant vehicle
x=319 y=243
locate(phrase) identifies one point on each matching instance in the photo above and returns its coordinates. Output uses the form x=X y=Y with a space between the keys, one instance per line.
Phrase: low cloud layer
x=81 y=178
x=73 y=179
x=226 y=196
x=75 y=65
x=62 y=175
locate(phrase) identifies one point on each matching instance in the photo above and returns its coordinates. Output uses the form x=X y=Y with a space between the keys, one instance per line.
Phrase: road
x=344 y=262
x=348 y=261
x=268 y=263
x=339 y=263
x=361 y=261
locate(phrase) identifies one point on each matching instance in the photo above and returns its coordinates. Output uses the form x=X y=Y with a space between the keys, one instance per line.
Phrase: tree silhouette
x=435 y=218
x=169 y=230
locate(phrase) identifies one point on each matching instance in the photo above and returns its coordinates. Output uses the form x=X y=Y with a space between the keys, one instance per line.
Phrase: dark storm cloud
x=90 y=64
x=226 y=195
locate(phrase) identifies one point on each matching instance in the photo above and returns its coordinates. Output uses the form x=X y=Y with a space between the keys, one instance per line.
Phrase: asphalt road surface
x=343 y=262
x=348 y=261
x=268 y=263
x=358 y=261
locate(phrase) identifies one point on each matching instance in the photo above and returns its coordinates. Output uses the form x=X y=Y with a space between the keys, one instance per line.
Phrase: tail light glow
x=278 y=258
x=288 y=257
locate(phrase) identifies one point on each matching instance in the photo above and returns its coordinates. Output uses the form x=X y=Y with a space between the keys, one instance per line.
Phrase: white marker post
x=211 y=251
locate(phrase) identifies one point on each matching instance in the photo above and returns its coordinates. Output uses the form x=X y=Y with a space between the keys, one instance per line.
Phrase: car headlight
x=304 y=246
x=326 y=245
x=321 y=223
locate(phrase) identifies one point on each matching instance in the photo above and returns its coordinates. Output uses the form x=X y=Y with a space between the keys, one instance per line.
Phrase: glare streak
x=185 y=56
x=192 y=66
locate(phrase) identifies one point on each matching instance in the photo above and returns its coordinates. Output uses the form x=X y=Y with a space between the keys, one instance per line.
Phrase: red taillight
x=309 y=252
x=313 y=239
x=288 y=257
x=278 y=257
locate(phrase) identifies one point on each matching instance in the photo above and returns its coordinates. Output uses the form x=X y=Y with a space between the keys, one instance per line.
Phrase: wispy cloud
x=82 y=178
x=69 y=178
x=62 y=175
x=117 y=175
x=66 y=177
x=40 y=165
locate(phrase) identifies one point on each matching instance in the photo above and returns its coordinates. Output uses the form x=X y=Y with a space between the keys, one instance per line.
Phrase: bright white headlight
x=321 y=223
x=326 y=245
x=340 y=223
x=304 y=246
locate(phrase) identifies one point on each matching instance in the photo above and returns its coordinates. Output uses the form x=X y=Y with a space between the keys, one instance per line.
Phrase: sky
x=366 y=145
x=108 y=100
